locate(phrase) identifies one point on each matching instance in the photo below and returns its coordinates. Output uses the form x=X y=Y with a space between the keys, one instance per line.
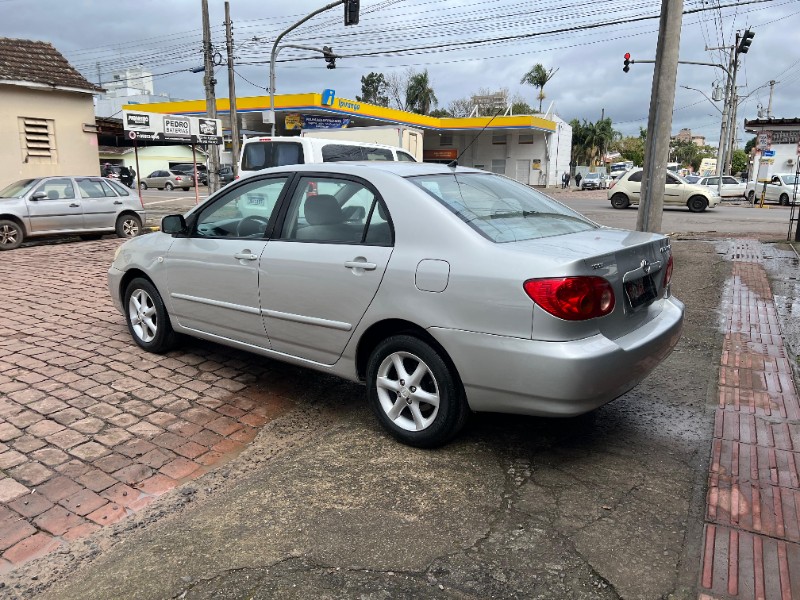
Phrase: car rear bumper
x=522 y=376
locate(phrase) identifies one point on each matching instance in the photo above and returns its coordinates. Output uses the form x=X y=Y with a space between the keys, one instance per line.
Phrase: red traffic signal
x=627 y=62
x=627 y=56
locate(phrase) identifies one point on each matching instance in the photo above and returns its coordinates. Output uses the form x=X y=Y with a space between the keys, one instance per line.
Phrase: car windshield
x=501 y=209
x=789 y=179
x=592 y=176
x=18 y=188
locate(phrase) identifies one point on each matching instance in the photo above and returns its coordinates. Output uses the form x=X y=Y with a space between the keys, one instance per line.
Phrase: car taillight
x=572 y=298
x=177 y=178
x=668 y=272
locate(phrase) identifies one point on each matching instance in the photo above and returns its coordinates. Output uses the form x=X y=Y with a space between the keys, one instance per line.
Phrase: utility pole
x=659 y=124
x=211 y=100
x=769 y=106
x=232 y=91
x=723 y=131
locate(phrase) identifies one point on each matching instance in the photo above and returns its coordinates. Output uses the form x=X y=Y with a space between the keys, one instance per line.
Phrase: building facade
x=46 y=114
x=783 y=136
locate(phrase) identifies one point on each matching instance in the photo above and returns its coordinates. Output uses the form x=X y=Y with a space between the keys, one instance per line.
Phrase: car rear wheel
x=784 y=200
x=147 y=317
x=142 y=186
x=11 y=235
x=168 y=186
x=751 y=196
x=128 y=226
x=697 y=204
x=415 y=395
x=620 y=200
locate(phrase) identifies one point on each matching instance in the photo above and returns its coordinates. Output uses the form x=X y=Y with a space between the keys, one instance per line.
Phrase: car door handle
x=73 y=205
x=245 y=256
x=357 y=264
x=117 y=202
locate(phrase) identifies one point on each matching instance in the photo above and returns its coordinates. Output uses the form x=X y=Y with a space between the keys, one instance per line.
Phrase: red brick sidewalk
x=752 y=531
x=92 y=428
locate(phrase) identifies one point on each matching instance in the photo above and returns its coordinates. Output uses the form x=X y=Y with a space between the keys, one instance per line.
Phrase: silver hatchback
x=445 y=290
x=87 y=206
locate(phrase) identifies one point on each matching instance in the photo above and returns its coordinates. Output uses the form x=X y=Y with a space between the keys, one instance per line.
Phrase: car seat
x=326 y=222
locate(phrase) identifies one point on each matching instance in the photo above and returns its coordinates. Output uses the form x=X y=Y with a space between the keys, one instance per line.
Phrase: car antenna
x=454 y=163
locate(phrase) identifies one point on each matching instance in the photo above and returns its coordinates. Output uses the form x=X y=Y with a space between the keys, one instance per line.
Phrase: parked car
x=692 y=178
x=594 y=181
x=87 y=206
x=225 y=174
x=731 y=187
x=446 y=290
x=167 y=180
x=677 y=192
x=780 y=189
x=189 y=168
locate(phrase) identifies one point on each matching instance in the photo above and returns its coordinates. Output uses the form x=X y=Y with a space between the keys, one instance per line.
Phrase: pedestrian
x=578 y=178
x=564 y=180
x=569 y=177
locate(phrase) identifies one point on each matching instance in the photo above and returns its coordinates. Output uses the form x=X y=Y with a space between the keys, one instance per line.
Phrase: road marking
x=173 y=200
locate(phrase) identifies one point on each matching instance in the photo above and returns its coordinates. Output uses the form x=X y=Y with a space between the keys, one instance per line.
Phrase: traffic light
x=330 y=57
x=627 y=62
x=351 y=12
x=745 y=41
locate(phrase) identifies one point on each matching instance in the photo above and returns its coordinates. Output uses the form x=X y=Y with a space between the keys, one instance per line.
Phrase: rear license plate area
x=640 y=292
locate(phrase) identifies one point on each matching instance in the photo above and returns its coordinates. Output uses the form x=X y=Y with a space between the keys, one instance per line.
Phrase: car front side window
x=57 y=189
x=244 y=212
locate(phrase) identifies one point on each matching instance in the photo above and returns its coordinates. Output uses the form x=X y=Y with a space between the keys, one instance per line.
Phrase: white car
x=780 y=189
x=626 y=191
x=731 y=187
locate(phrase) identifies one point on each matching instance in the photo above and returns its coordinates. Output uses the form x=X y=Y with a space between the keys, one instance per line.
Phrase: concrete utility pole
x=659 y=123
x=232 y=91
x=211 y=100
x=769 y=106
x=722 y=147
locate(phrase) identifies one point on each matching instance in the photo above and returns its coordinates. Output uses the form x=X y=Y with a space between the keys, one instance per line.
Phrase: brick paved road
x=91 y=427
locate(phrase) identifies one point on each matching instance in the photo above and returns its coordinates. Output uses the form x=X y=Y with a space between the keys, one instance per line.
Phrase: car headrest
x=323 y=209
x=52 y=195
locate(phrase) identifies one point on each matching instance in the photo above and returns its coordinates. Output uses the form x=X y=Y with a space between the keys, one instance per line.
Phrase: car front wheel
x=751 y=196
x=147 y=317
x=619 y=200
x=784 y=200
x=697 y=204
x=414 y=393
x=11 y=235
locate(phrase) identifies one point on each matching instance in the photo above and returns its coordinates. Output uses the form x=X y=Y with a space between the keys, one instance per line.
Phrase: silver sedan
x=445 y=290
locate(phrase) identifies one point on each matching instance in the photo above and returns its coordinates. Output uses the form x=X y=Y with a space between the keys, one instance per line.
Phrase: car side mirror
x=173 y=224
x=39 y=196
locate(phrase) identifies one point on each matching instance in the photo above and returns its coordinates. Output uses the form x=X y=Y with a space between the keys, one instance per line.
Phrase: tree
x=419 y=94
x=739 y=161
x=440 y=112
x=591 y=140
x=373 y=89
x=396 y=85
x=750 y=144
x=630 y=148
x=538 y=77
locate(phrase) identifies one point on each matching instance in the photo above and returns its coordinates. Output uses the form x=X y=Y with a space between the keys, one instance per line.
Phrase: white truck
x=399 y=136
x=781 y=189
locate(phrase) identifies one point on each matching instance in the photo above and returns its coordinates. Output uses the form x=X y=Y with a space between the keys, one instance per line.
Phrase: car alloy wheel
x=147 y=317
x=168 y=186
x=128 y=226
x=11 y=235
x=414 y=392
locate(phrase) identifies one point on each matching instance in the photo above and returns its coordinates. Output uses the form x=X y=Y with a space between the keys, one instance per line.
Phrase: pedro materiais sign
x=157 y=127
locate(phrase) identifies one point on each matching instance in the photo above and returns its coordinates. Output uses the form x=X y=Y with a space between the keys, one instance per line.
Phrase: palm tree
x=419 y=94
x=538 y=77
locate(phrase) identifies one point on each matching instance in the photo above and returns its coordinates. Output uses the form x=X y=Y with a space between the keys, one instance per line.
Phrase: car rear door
x=319 y=276
x=59 y=210
x=213 y=273
x=100 y=203
x=675 y=191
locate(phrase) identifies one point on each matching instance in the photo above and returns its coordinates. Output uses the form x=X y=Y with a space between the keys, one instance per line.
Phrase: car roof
x=363 y=168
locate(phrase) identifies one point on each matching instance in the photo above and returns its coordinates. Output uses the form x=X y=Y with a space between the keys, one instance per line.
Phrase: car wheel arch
x=379 y=331
x=17 y=220
x=129 y=276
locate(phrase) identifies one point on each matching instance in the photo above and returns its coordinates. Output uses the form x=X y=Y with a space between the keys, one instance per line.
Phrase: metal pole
x=196 y=178
x=211 y=100
x=662 y=102
x=138 y=172
x=723 y=130
x=274 y=53
x=232 y=92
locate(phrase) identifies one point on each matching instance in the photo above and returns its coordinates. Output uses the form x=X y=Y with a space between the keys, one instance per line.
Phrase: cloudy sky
x=465 y=45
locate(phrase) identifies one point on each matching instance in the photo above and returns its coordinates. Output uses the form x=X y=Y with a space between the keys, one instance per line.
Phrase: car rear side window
x=120 y=189
x=343 y=152
x=636 y=177
x=501 y=209
x=263 y=155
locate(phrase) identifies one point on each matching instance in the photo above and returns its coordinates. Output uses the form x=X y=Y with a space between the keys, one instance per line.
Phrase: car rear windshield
x=501 y=209
x=263 y=155
x=18 y=188
x=343 y=152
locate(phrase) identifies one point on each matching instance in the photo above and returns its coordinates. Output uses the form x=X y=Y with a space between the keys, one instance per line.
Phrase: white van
x=264 y=152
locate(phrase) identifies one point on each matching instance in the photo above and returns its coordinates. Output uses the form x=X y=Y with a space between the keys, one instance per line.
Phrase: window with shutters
x=525 y=138
x=37 y=140
x=445 y=139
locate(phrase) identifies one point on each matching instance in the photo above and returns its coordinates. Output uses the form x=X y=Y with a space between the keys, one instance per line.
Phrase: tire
x=142 y=185
x=751 y=196
x=185 y=189
x=128 y=226
x=784 y=200
x=697 y=204
x=168 y=186
x=401 y=408
x=620 y=200
x=147 y=318
x=11 y=235
x=88 y=237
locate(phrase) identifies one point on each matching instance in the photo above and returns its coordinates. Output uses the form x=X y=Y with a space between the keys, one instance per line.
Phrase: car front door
x=212 y=272
x=100 y=203
x=319 y=276
x=58 y=210
x=634 y=186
